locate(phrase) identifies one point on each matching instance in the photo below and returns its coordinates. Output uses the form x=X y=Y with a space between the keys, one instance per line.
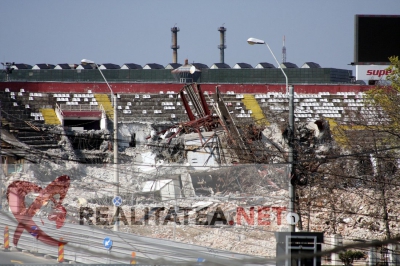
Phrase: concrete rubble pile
x=155 y=173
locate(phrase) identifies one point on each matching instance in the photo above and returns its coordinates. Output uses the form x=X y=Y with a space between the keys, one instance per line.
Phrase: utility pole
x=292 y=195
x=116 y=176
x=290 y=93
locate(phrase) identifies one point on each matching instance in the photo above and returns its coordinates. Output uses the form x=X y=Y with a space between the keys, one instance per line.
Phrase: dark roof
x=222 y=65
x=155 y=66
x=266 y=65
x=111 y=66
x=244 y=65
x=289 y=65
x=133 y=66
x=312 y=65
x=175 y=65
x=21 y=66
x=183 y=69
x=45 y=66
x=65 y=66
x=184 y=72
x=199 y=65
x=86 y=66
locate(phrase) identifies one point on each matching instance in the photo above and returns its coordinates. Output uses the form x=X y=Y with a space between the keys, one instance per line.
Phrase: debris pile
x=208 y=181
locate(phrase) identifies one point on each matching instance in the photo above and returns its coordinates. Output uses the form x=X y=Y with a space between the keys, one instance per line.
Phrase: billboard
x=377 y=37
x=372 y=72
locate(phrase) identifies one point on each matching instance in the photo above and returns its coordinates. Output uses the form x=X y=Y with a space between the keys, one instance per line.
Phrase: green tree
x=384 y=100
x=349 y=256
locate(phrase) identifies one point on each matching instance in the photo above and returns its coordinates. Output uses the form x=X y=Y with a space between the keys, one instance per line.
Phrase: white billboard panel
x=372 y=72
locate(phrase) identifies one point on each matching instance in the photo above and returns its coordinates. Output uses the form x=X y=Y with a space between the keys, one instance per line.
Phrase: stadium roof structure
x=109 y=66
x=153 y=66
x=200 y=65
x=219 y=66
x=21 y=66
x=86 y=66
x=64 y=66
x=173 y=66
x=288 y=65
x=264 y=65
x=185 y=73
x=310 y=65
x=43 y=66
x=131 y=66
x=242 y=65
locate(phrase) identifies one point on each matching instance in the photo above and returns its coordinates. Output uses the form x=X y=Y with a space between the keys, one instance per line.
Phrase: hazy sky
x=119 y=31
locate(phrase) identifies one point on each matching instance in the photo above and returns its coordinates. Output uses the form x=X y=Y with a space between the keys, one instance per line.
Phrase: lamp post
x=290 y=92
x=115 y=140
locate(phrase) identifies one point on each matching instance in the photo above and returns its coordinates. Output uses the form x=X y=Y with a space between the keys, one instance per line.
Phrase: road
x=85 y=244
x=17 y=257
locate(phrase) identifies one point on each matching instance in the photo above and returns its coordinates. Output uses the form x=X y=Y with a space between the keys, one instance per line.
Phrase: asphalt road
x=18 y=257
x=85 y=243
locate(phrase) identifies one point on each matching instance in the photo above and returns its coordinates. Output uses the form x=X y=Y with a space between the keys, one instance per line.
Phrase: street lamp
x=253 y=41
x=115 y=140
x=290 y=92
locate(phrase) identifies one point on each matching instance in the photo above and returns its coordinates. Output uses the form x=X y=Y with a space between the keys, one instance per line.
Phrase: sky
x=122 y=31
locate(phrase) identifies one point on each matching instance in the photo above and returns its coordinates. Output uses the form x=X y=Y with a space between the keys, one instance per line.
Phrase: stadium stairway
x=18 y=120
x=50 y=117
x=106 y=103
x=257 y=113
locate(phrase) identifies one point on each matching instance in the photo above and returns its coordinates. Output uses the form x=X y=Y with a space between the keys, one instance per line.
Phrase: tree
x=349 y=256
x=383 y=132
x=365 y=165
x=384 y=100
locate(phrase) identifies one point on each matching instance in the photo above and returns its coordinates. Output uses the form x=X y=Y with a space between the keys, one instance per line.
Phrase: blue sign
x=117 y=201
x=34 y=230
x=201 y=260
x=107 y=243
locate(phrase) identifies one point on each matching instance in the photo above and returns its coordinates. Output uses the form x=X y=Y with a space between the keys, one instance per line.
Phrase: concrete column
x=337 y=241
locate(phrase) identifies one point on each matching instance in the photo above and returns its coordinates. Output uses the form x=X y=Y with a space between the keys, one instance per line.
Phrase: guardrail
x=79 y=107
x=85 y=245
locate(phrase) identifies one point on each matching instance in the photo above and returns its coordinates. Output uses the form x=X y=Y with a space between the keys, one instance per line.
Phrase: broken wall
x=126 y=130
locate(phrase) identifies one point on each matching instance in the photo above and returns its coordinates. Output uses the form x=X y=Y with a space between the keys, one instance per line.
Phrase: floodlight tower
x=284 y=51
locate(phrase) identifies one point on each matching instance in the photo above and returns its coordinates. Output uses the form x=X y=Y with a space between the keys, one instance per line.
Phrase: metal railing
x=80 y=107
